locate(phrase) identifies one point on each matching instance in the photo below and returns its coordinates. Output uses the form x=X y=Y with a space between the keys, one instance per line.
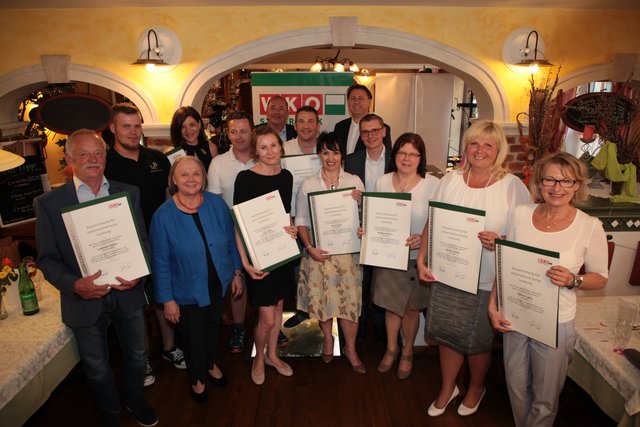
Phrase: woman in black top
x=187 y=131
x=267 y=290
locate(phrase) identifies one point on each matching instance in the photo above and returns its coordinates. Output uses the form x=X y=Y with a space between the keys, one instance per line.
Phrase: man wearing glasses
x=370 y=164
x=359 y=99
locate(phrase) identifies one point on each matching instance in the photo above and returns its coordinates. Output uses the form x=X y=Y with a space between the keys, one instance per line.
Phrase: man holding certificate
x=535 y=372
x=457 y=319
x=88 y=309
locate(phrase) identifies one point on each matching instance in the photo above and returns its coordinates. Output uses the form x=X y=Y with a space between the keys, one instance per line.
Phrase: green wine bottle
x=27 y=291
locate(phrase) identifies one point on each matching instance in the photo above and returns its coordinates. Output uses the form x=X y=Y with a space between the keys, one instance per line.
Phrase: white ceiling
x=570 y=4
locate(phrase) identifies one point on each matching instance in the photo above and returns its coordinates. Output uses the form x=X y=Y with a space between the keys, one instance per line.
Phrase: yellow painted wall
x=107 y=38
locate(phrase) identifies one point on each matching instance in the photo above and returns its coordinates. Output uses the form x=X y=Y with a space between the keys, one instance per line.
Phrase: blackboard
x=18 y=188
x=590 y=109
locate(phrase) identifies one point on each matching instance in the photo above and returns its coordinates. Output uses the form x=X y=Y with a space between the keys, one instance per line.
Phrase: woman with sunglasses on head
x=535 y=372
x=399 y=292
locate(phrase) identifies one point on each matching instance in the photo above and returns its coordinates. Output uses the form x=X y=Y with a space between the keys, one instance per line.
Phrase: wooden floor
x=317 y=395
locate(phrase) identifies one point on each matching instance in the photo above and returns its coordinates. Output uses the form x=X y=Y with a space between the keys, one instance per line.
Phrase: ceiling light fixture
x=333 y=64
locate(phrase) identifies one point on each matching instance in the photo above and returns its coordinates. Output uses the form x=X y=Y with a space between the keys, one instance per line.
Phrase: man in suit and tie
x=359 y=99
x=370 y=164
x=88 y=309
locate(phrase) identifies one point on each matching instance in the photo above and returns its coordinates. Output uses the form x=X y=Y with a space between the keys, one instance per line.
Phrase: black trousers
x=199 y=328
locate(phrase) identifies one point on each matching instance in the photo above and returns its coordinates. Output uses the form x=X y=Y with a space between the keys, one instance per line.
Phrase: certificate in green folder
x=454 y=250
x=526 y=296
x=260 y=223
x=105 y=236
x=386 y=220
x=334 y=221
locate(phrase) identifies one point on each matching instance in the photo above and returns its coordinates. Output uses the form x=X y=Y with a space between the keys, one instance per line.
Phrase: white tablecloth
x=28 y=345
x=595 y=323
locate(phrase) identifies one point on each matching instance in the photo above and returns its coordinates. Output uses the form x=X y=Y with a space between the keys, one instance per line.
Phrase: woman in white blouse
x=535 y=372
x=456 y=319
x=399 y=292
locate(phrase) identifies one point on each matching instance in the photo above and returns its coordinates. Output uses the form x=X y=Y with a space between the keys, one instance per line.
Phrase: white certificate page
x=454 y=250
x=334 y=221
x=104 y=237
x=301 y=167
x=526 y=296
x=386 y=219
x=261 y=223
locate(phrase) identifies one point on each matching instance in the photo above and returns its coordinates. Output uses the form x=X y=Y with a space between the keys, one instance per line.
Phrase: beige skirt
x=332 y=288
x=397 y=290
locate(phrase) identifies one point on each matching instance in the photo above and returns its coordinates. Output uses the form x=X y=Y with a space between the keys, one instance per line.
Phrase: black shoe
x=219 y=382
x=296 y=319
x=145 y=415
x=200 y=397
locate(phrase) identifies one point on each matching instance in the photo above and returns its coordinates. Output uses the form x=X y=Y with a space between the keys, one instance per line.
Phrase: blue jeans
x=94 y=353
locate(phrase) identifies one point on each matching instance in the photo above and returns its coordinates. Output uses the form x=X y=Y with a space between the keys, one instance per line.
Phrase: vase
x=3 y=310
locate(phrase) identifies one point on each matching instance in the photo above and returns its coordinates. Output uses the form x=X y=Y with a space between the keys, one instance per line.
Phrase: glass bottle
x=27 y=291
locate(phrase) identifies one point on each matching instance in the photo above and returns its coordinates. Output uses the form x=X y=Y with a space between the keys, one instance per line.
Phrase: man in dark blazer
x=359 y=99
x=88 y=309
x=370 y=164
x=277 y=116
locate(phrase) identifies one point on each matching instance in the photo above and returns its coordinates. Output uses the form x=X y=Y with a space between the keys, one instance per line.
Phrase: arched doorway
x=482 y=81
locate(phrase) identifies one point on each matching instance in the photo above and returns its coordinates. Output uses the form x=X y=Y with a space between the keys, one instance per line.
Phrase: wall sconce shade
x=151 y=55
x=523 y=50
x=533 y=62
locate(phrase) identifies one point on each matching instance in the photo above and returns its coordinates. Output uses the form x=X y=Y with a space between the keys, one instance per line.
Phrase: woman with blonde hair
x=535 y=372
x=456 y=319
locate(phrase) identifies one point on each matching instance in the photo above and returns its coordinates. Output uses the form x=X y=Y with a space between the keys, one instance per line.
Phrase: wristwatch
x=577 y=282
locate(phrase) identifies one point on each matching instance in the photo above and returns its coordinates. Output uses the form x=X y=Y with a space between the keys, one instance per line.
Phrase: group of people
x=198 y=258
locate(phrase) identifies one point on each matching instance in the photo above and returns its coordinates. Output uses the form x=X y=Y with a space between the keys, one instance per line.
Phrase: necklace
x=187 y=207
x=466 y=188
x=403 y=188
x=555 y=222
x=332 y=184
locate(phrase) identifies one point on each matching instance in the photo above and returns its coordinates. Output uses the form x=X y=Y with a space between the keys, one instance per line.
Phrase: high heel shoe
x=403 y=374
x=433 y=411
x=258 y=379
x=200 y=397
x=285 y=371
x=328 y=357
x=464 y=411
x=359 y=368
x=383 y=367
x=219 y=382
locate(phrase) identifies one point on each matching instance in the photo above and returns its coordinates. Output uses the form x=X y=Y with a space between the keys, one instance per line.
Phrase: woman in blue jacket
x=194 y=260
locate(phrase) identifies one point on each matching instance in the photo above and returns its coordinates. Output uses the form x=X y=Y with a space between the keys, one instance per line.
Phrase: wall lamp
x=533 y=63
x=9 y=160
x=151 y=56
x=523 y=50
x=159 y=49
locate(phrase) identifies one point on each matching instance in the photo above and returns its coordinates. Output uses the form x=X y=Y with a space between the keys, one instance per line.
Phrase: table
x=36 y=354
x=610 y=379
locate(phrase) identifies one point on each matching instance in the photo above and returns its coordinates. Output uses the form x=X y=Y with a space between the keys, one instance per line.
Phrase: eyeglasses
x=372 y=132
x=548 y=181
x=404 y=155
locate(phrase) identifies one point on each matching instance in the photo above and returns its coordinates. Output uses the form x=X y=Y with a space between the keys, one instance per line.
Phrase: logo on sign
x=294 y=101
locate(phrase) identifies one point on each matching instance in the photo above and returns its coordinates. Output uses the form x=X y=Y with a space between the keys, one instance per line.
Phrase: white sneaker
x=149 y=378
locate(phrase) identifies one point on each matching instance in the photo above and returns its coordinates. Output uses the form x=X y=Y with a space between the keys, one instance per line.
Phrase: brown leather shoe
x=403 y=374
x=382 y=367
